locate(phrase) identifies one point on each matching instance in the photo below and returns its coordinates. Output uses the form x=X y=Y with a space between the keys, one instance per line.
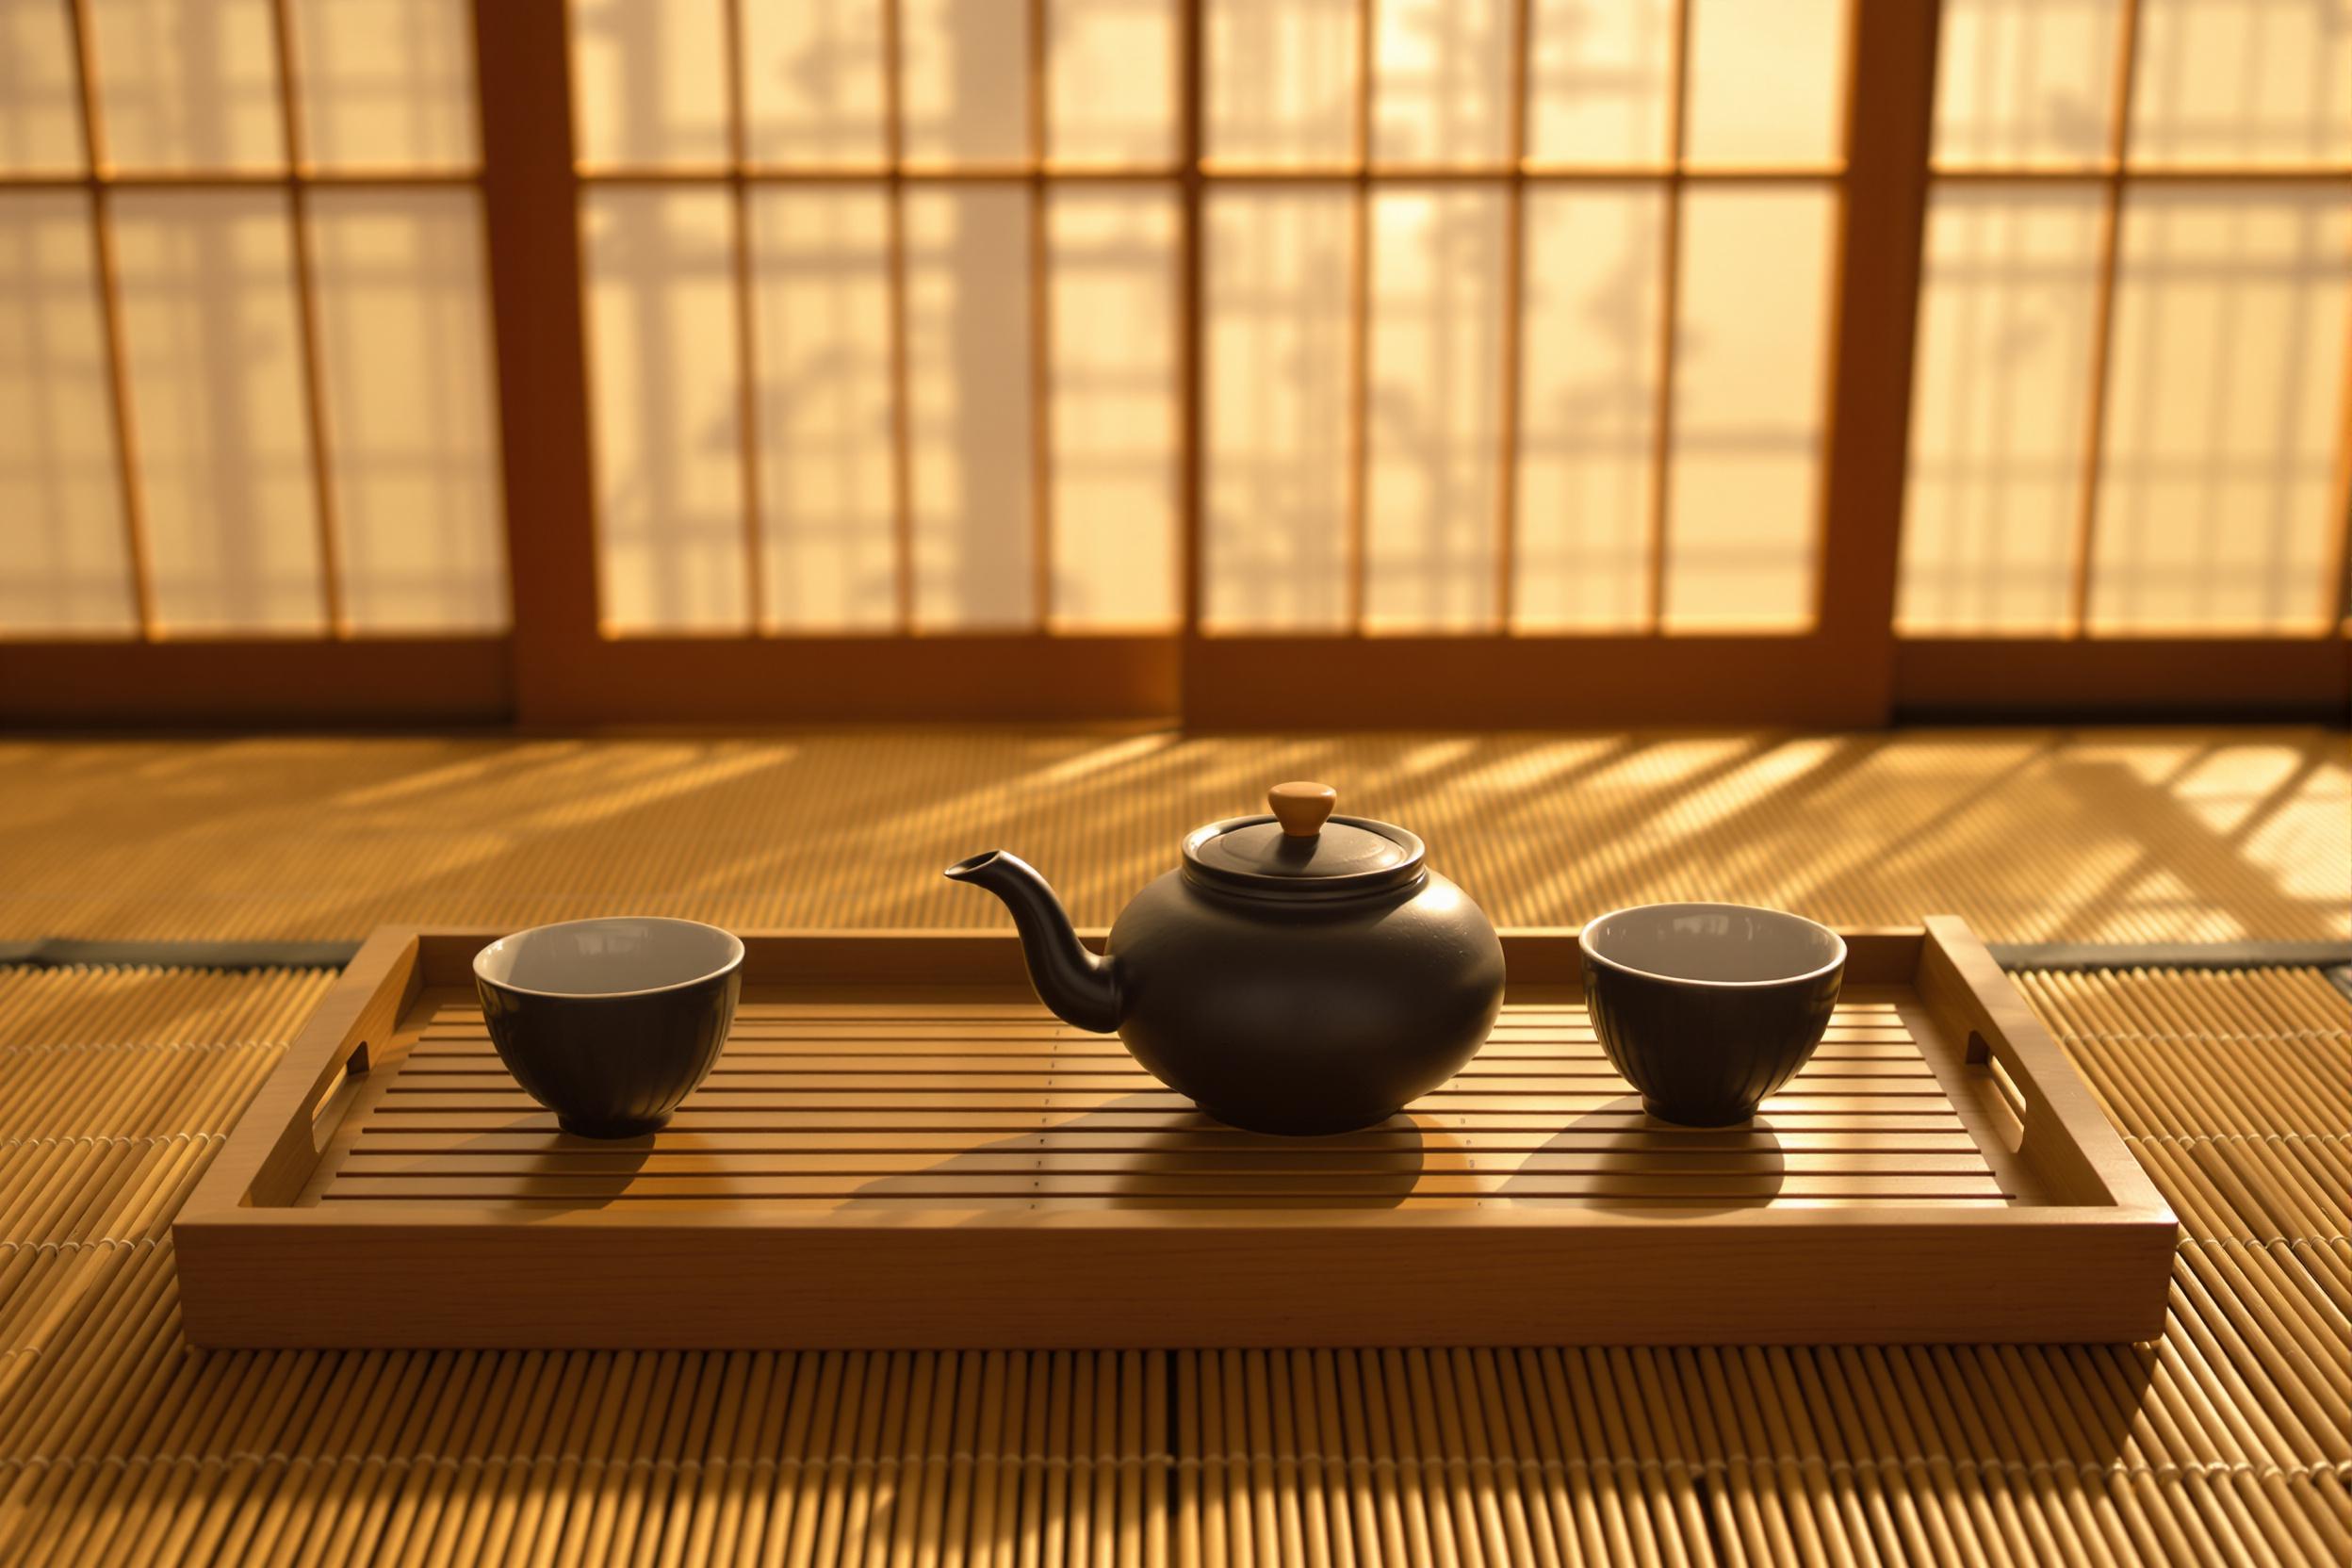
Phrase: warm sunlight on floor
x=2032 y=834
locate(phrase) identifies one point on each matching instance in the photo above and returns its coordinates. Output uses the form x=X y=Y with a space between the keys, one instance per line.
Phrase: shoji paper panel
x=1588 y=399
x=1112 y=81
x=964 y=80
x=1600 y=80
x=2025 y=82
x=188 y=84
x=214 y=353
x=61 y=536
x=649 y=81
x=1767 y=80
x=40 y=124
x=2253 y=81
x=386 y=83
x=412 y=420
x=1114 y=406
x=822 y=322
x=664 y=407
x=1430 y=529
x=812 y=82
x=1442 y=69
x=1743 y=527
x=1998 y=415
x=2225 y=408
x=1281 y=81
x=1275 y=393
x=967 y=368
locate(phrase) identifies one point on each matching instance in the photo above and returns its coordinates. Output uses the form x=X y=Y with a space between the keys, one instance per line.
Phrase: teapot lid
x=1302 y=851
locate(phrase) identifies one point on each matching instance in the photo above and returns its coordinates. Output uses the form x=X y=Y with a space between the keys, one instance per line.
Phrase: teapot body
x=1303 y=1016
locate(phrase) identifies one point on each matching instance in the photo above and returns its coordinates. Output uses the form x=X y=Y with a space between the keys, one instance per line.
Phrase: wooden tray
x=901 y=1148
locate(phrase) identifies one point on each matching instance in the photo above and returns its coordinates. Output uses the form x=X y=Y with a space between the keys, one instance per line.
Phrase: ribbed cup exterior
x=1706 y=1055
x=612 y=1066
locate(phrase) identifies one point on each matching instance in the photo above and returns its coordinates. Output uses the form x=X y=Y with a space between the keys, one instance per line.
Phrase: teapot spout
x=1079 y=986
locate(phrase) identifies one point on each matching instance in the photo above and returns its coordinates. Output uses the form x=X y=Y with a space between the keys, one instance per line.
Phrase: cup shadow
x=583 y=1172
x=1622 y=1157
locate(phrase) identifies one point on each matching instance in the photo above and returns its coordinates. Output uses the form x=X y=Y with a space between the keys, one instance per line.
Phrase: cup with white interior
x=611 y=1023
x=1707 y=1008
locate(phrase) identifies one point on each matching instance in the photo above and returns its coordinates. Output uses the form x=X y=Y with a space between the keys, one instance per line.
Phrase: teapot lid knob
x=1301 y=807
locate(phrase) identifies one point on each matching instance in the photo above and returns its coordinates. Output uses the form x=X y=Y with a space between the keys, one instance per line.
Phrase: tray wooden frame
x=2082 y=1253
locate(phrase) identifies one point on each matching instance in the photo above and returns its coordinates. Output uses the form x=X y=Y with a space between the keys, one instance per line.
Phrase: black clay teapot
x=1299 y=972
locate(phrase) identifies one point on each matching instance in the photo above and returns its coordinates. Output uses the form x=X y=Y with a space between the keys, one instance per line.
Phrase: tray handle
x=2062 y=1134
x=332 y=1099
x=324 y=1071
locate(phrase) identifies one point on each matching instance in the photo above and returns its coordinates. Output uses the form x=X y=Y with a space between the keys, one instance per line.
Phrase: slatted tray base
x=985 y=1101
x=899 y=1145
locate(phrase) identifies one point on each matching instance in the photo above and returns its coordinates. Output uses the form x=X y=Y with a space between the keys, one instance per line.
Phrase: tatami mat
x=2222 y=1442
x=2032 y=835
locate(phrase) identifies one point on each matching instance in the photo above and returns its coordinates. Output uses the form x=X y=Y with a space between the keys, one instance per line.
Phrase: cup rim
x=734 y=959
x=1584 y=945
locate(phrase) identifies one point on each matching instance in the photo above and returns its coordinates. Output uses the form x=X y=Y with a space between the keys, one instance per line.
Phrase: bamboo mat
x=2225 y=1440
x=2033 y=835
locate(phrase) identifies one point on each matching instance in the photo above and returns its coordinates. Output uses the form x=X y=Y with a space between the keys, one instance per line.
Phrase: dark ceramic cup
x=610 y=1023
x=1707 y=1008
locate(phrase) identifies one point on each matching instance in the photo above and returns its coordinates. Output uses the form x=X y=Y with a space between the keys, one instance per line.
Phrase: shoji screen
x=1517 y=315
x=881 y=314
x=246 y=391
x=2132 y=419
x=1261 y=362
x=1058 y=336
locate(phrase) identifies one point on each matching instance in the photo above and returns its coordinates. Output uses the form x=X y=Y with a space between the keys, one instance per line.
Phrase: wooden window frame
x=559 y=667
x=2078 y=668
x=161 y=678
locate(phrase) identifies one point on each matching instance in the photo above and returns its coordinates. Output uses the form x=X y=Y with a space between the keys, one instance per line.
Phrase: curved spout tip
x=1080 y=988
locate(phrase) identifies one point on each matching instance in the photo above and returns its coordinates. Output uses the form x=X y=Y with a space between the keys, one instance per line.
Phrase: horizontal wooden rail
x=2306 y=677
x=241 y=179
x=191 y=681
x=1214 y=169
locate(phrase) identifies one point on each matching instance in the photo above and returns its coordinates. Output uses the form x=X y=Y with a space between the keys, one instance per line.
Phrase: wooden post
x=1191 y=331
x=1891 y=107
x=531 y=223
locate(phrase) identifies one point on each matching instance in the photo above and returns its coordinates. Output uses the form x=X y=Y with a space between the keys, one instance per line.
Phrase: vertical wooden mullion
x=1514 y=275
x=2080 y=563
x=902 y=453
x=1041 y=336
x=1190 y=327
x=531 y=228
x=1360 y=321
x=746 y=323
x=306 y=314
x=1669 y=309
x=109 y=280
x=1882 y=227
x=2336 y=588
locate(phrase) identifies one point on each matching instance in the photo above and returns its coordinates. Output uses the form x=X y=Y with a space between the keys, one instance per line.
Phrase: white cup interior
x=608 y=957
x=1716 y=943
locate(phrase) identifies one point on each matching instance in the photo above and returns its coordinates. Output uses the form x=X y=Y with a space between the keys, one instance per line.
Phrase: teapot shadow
x=1128 y=1154
x=1621 y=1157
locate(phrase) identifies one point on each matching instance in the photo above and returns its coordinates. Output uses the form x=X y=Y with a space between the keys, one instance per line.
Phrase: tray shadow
x=1621 y=1157
x=1150 y=1158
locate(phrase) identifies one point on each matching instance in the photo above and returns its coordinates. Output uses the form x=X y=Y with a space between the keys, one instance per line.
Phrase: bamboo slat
x=1040 y=1114
x=2223 y=1441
